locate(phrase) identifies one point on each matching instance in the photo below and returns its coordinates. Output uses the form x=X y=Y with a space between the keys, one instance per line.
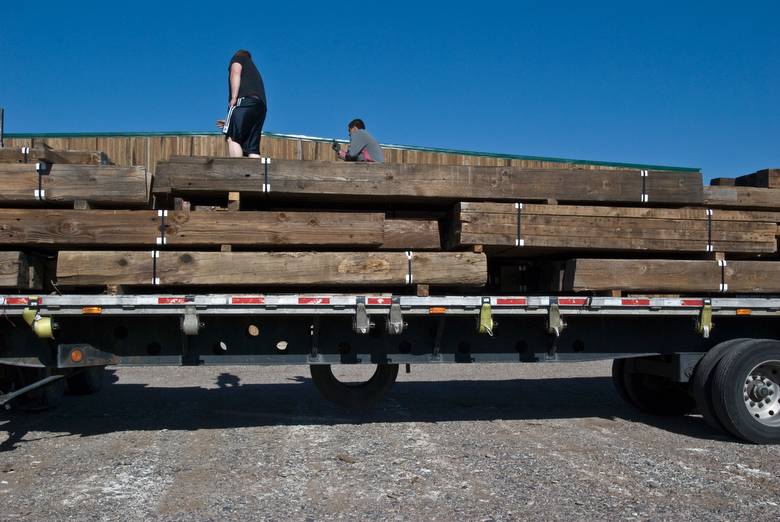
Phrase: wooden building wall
x=147 y=150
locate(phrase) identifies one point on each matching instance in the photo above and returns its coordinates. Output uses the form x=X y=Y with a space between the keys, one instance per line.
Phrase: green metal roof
x=314 y=138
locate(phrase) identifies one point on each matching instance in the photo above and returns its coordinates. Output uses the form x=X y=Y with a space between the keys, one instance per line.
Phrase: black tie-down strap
x=266 y=184
x=42 y=168
x=724 y=287
x=155 y=278
x=710 y=246
x=519 y=241
x=409 y=276
x=644 y=197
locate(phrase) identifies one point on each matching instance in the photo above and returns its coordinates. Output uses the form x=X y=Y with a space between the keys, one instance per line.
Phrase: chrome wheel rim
x=761 y=393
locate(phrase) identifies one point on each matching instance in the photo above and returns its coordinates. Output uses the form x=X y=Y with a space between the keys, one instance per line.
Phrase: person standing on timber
x=362 y=145
x=247 y=107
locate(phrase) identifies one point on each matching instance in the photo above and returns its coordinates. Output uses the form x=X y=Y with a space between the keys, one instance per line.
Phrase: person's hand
x=233 y=102
x=220 y=123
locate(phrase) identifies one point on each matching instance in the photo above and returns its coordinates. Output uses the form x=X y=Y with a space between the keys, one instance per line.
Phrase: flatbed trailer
x=671 y=355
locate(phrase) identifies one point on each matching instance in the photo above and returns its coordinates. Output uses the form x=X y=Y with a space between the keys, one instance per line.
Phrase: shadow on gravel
x=137 y=407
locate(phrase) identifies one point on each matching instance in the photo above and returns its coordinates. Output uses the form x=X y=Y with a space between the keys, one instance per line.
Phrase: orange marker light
x=744 y=311
x=435 y=310
x=76 y=355
x=92 y=310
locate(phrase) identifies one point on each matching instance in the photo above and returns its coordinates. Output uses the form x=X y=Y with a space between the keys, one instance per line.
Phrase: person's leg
x=234 y=149
x=253 y=143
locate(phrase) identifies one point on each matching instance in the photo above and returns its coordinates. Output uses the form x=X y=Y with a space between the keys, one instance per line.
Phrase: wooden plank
x=742 y=197
x=141 y=228
x=606 y=228
x=83 y=157
x=76 y=268
x=343 y=180
x=663 y=275
x=766 y=178
x=98 y=184
x=723 y=182
x=411 y=234
x=20 y=271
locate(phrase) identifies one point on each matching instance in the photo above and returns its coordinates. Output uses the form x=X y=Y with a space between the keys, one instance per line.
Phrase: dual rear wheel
x=735 y=387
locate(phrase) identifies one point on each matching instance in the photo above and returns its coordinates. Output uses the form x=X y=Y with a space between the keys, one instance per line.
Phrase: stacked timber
x=267 y=223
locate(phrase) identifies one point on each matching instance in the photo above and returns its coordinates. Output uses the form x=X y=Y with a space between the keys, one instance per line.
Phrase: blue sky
x=675 y=83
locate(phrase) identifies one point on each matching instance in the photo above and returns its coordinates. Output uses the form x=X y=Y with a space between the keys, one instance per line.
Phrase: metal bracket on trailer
x=362 y=324
x=395 y=320
x=190 y=323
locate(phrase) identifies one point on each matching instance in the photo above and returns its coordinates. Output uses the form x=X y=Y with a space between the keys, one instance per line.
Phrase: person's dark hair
x=242 y=53
x=357 y=122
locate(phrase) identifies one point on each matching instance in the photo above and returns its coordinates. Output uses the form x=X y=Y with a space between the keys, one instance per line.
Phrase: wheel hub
x=761 y=393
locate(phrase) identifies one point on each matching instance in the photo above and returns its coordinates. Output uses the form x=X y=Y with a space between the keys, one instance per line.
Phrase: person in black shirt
x=246 y=108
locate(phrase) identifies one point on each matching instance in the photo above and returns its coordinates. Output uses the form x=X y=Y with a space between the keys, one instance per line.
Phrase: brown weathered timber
x=345 y=180
x=664 y=275
x=766 y=178
x=270 y=268
x=20 y=271
x=98 y=184
x=612 y=228
x=723 y=182
x=81 y=157
x=742 y=198
x=141 y=228
x=412 y=234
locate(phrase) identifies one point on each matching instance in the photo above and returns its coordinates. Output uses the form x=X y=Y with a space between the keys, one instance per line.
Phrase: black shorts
x=245 y=124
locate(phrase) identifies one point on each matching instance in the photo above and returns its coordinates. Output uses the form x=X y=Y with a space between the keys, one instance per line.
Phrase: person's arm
x=235 y=82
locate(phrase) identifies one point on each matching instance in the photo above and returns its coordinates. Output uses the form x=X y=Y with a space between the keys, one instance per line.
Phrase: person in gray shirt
x=362 y=145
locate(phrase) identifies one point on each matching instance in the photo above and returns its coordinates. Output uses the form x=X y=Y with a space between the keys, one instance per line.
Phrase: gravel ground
x=481 y=442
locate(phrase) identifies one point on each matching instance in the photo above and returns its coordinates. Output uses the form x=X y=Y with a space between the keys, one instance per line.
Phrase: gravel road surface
x=481 y=442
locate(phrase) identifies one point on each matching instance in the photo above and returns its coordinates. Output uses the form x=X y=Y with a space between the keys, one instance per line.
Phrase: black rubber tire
x=357 y=395
x=618 y=379
x=41 y=399
x=654 y=395
x=727 y=389
x=87 y=381
x=702 y=381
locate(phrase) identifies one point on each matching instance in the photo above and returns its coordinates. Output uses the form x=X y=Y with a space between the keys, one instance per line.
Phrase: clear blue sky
x=676 y=83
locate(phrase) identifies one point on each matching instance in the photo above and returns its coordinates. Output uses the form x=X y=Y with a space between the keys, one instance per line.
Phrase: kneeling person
x=362 y=145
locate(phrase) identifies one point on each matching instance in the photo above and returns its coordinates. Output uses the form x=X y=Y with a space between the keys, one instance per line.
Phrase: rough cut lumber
x=345 y=180
x=98 y=184
x=271 y=268
x=723 y=182
x=613 y=228
x=767 y=178
x=676 y=276
x=141 y=228
x=82 y=157
x=742 y=197
x=20 y=271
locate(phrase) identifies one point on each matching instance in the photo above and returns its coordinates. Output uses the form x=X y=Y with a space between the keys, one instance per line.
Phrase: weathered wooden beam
x=20 y=271
x=81 y=157
x=76 y=268
x=345 y=180
x=677 y=276
x=142 y=228
x=612 y=228
x=99 y=184
x=766 y=178
x=742 y=197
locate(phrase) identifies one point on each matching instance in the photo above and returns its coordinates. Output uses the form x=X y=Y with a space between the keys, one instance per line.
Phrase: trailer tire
x=354 y=395
x=87 y=381
x=702 y=381
x=650 y=393
x=746 y=391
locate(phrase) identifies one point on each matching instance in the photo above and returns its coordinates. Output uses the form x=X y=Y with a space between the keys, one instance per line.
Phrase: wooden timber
x=663 y=275
x=83 y=157
x=76 y=268
x=742 y=197
x=141 y=228
x=98 y=184
x=20 y=271
x=346 y=180
x=613 y=228
x=766 y=178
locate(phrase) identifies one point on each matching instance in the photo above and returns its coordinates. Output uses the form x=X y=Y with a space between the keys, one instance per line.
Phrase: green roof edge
x=23 y=135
